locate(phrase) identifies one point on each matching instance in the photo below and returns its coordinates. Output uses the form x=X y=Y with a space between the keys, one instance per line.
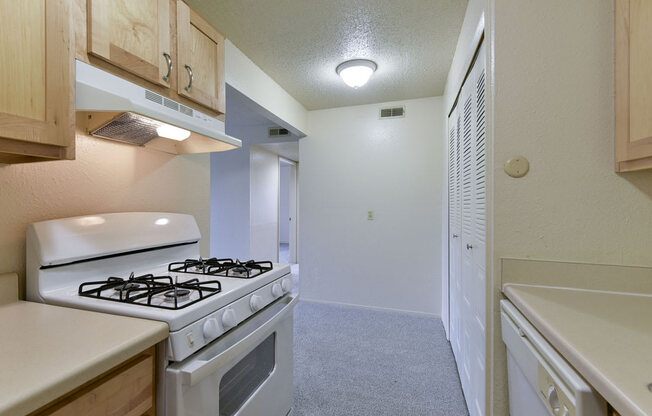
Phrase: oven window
x=240 y=382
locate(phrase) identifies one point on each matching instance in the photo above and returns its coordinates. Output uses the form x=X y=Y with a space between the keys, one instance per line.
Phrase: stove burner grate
x=222 y=267
x=142 y=290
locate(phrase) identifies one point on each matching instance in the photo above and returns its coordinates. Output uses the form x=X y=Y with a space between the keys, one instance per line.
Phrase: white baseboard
x=374 y=308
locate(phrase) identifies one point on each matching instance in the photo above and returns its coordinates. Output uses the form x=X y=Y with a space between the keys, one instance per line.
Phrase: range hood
x=116 y=109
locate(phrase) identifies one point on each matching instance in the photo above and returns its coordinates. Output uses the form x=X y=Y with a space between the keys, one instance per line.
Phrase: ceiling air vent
x=392 y=112
x=278 y=131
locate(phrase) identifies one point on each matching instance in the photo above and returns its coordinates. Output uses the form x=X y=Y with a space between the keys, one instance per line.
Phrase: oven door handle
x=197 y=370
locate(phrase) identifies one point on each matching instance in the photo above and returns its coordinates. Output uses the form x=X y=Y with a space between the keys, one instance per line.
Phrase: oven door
x=248 y=372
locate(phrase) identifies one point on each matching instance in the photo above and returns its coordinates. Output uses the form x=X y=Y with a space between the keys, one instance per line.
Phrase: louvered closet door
x=466 y=367
x=454 y=227
x=467 y=253
x=477 y=281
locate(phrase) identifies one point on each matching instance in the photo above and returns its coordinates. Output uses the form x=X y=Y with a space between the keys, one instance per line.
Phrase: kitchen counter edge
x=614 y=394
x=139 y=335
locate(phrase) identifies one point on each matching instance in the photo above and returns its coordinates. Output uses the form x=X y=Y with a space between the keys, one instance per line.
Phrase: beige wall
x=106 y=177
x=553 y=104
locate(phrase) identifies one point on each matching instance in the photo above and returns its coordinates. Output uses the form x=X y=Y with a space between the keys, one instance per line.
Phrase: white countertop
x=606 y=336
x=48 y=351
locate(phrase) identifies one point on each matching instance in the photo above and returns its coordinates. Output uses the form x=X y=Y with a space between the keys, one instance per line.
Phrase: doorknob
x=455 y=235
x=469 y=246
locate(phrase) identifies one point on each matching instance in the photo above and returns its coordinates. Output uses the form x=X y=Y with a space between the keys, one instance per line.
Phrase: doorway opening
x=287 y=212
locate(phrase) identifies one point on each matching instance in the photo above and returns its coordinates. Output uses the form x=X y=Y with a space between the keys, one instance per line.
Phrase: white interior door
x=467 y=239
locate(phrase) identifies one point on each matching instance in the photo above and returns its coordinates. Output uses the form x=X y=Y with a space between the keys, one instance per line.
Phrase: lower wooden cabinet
x=126 y=390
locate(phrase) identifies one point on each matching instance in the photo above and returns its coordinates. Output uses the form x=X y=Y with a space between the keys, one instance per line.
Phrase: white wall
x=231 y=181
x=279 y=106
x=264 y=206
x=353 y=163
x=284 y=214
x=230 y=177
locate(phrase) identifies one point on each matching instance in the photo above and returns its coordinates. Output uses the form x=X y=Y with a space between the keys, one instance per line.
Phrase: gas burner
x=126 y=286
x=246 y=270
x=199 y=266
x=239 y=269
x=180 y=295
x=149 y=290
x=222 y=267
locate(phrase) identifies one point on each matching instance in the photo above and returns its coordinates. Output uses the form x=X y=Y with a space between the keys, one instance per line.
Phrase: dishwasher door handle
x=197 y=370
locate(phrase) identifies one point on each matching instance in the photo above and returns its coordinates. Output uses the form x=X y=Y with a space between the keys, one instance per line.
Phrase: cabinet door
x=633 y=84
x=133 y=35
x=128 y=390
x=37 y=85
x=200 y=48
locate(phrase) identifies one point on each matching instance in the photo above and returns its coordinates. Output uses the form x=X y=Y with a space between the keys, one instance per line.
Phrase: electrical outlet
x=371 y=216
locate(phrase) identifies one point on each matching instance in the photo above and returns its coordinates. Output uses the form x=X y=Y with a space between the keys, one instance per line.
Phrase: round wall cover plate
x=517 y=167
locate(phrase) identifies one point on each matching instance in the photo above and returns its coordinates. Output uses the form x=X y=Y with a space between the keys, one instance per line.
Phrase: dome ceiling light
x=356 y=72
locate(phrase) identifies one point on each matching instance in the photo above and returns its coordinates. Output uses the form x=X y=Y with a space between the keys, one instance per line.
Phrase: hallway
x=359 y=362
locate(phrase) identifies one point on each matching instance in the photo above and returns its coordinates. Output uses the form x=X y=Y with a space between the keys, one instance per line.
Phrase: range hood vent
x=128 y=128
x=120 y=110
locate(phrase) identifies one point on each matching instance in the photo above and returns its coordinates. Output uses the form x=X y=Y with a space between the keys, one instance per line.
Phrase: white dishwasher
x=541 y=382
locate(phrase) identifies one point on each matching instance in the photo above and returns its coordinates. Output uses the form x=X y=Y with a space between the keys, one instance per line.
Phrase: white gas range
x=230 y=345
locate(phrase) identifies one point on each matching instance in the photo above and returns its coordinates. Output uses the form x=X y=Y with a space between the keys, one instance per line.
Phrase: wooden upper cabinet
x=37 y=81
x=200 y=49
x=133 y=35
x=633 y=84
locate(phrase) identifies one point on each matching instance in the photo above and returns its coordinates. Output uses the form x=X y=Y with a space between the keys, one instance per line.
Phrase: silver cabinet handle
x=455 y=235
x=469 y=246
x=168 y=58
x=192 y=78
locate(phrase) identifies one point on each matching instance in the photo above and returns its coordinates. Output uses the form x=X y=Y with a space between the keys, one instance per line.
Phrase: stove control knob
x=228 y=319
x=211 y=329
x=286 y=283
x=277 y=290
x=256 y=303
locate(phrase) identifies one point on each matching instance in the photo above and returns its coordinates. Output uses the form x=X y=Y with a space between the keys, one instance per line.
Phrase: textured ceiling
x=300 y=42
